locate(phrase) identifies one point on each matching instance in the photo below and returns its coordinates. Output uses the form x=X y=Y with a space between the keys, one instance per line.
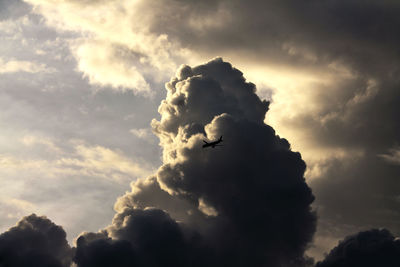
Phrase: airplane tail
x=220 y=139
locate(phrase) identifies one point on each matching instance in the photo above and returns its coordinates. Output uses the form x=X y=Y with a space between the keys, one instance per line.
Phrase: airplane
x=213 y=144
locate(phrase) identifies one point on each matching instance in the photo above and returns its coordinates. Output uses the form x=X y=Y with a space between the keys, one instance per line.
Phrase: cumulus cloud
x=244 y=204
x=147 y=237
x=35 y=241
x=368 y=248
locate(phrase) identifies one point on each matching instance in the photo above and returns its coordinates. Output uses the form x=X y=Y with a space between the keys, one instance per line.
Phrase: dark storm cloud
x=360 y=190
x=370 y=248
x=362 y=36
x=244 y=204
x=360 y=113
x=148 y=193
x=139 y=238
x=369 y=183
x=357 y=32
x=35 y=241
x=104 y=252
x=359 y=36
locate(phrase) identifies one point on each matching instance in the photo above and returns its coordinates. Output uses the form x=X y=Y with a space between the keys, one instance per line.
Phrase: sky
x=105 y=105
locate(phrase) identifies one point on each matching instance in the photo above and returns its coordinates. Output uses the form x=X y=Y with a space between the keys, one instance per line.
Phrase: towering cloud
x=243 y=204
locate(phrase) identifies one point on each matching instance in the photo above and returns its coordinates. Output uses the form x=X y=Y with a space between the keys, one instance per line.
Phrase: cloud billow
x=242 y=204
x=139 y=238
x=35 y=241
x=368 y=248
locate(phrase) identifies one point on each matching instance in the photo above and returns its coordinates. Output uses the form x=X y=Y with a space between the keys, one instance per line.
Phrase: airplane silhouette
x=213 y=144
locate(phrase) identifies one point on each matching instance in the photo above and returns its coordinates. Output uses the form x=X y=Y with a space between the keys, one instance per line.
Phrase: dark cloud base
x=35 y=241
x=369 y=249
x=243 y=204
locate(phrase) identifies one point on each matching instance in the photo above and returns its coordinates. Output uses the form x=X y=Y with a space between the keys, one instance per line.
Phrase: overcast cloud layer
x=331 y=68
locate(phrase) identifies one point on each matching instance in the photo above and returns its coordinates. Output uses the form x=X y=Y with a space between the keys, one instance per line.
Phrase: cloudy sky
x=85 y=139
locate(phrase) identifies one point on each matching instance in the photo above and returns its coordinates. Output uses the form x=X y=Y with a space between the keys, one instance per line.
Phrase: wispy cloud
x=104 y=65
x=115 y=48
x=145 y=134
x=393 y=156
x=103 y=162
x=13 y=65
x=84 y=160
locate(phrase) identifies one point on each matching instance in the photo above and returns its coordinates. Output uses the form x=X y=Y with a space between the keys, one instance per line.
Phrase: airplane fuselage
x=212 y=144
